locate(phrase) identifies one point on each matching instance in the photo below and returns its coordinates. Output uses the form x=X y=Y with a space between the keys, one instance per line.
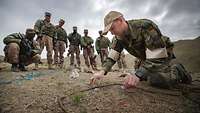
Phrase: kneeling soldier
x=21 y=50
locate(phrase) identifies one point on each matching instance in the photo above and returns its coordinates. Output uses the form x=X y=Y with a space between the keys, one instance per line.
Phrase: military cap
x=47 y=14
x=75 y=27
x=62 y=20
x=100 y=32
x=108 y=20
x=30 y=31
x=85 y=30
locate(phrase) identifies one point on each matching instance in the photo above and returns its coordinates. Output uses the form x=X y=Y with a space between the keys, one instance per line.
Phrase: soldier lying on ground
x=142 y=39
x=21 y=50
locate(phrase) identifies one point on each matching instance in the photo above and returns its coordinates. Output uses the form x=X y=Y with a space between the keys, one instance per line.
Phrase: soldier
x=45 y=33
x=74 y=40
x=169 y=47
x=59 y=44
x=102 y=43
x=121 y=61
x=88 y=53
x=21 y=50
x=142 y=39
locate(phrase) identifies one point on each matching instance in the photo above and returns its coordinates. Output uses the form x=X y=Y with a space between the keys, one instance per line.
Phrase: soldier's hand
x=97 y=76
x=130 y=81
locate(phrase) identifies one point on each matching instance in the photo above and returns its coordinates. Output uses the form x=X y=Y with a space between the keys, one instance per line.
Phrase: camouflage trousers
x=163 y=73
x=88 y=54
x=48 y=42
x=103 y=54
x=59 y=49
x=121 y=61
x=12 y=55
x=73 y=49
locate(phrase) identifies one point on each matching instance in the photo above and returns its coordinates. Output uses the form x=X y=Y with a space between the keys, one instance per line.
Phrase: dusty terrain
x=54 y=91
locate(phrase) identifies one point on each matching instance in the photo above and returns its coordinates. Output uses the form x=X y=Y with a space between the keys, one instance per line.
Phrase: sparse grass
x=77 y=98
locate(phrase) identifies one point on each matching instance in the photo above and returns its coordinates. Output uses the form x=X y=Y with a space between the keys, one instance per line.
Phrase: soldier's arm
x=97 y=45
x=37 y=26
x=69 y=37
x=92 y=41
x=82 y=42
x=36 y=47
x=65 y=38
x=113 y=56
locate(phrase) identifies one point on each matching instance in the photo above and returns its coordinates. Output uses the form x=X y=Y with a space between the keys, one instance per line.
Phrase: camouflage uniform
x=102 y=43
x=59 y=45
x=46 y=32
x=20 y=55
x=121 y=61
x=88 y=52
x=169 y=46
x=143 y=40
x=74 y=40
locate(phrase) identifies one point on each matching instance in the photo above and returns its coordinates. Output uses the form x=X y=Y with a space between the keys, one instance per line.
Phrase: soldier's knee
x=12 y=53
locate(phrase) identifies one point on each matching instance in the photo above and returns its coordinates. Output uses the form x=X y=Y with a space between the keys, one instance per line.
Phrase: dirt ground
x=54 y=91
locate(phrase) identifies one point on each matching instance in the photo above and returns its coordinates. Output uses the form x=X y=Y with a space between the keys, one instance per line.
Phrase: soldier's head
x=115 y=23
x=61 y=22
x=100 y=33
x=30 y=33
x=86 y=32
x=75 y=29
x=47 y=16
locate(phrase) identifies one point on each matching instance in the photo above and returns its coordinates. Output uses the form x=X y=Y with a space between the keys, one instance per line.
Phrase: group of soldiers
x=140 y=37
x=22 y=50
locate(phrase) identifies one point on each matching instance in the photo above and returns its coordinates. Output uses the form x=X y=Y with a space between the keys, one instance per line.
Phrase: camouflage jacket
x=86 y=41
x=102 y=42
x=61 y=34
x=16 y=38
x=141 y=35
x=45 y=28
x=74 y=39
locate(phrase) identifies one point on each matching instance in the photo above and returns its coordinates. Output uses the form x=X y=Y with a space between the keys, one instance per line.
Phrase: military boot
x=14 y=68
x=22 y=67
x=182 y=76
x=185 y=76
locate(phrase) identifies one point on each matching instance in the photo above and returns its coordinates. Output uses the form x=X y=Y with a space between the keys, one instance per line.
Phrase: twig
x=27 y=106
x=60 y=103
